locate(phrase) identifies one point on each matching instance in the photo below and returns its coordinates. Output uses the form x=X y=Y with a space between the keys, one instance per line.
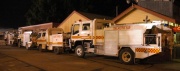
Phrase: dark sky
x=12 y=12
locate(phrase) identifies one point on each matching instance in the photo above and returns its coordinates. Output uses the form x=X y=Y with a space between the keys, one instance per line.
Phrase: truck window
x=33 y=34
x=86 y=26
x=43 y=35
x=39 y=35
x=76 y=29
x=101 y=25
x=150 y=39
x=159 y=41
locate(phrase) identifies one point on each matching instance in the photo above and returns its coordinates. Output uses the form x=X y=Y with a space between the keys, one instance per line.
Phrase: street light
x=131 y=1
x=128 y=1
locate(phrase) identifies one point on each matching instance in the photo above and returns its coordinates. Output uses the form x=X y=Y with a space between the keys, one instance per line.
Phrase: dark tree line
x=43 y=11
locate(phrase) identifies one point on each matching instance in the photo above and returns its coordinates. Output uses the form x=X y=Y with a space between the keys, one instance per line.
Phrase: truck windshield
x=43 y=34
x=76 y=29
x=150 y=39
x=39 y=35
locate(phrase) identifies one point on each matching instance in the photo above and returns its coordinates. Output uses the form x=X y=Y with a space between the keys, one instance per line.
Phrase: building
x=137 y=14
x=79 y=16
x=168 y=8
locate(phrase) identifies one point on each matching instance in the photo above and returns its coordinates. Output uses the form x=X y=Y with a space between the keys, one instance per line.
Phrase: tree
x=41 y=11
x=57 y=10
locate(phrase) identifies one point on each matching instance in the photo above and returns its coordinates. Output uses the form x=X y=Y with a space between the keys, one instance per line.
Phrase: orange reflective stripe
x=87 y=37
x=41 y=40
x=150 y=50
x=55 y=43
x=99 y=37
x=83 y=37
x=76 y=37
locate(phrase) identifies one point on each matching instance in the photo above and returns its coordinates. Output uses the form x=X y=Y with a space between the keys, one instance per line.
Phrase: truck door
x=85 y=30
x=81 y=31
x=41 y=38
x=75 y=31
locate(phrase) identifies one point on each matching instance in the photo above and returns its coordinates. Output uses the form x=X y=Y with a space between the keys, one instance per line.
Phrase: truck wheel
x=79 y=51
x=40 y=48
x=27 y=46
x=57 y=50
x=126 y=56
x=19 y=44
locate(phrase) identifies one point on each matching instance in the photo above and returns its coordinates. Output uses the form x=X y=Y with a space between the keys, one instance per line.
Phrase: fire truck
x=127 y=42
x=23 y=37
x=9 y=38
x=50 y=39
x=24 y=33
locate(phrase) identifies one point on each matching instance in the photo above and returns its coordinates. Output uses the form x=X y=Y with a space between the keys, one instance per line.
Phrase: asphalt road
x=20 y=59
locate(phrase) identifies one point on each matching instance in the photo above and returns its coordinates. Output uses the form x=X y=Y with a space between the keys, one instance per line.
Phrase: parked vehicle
x=128 y=42
x=102 y=37
x=23 y=37
x=9 y=38
x=24 y=33
x=50 y=39
x=15 y=39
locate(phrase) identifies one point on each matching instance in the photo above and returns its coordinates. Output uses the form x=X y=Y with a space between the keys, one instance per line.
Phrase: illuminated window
x=171 y=24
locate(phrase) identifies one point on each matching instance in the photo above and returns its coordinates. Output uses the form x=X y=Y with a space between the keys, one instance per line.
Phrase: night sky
x=12 y=13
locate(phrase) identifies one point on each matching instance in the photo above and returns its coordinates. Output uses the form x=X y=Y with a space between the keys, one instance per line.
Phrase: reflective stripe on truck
x=55 y=43
x=87 y=37
x=150 y=50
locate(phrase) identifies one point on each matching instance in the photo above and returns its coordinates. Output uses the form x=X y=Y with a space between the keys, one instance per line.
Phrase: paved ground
x=20 y=59
x=8 y=63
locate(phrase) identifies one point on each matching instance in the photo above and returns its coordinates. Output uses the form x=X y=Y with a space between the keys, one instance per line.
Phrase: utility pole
x=116 y=10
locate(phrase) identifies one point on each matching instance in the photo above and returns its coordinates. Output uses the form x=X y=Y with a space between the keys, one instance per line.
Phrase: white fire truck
x=50 y=39
x=24 y=35
x=9 y=38
x=128 y=42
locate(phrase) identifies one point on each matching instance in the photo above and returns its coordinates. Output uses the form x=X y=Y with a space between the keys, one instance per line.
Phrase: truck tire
x=19 y=44
x=27 y=46
x=57 y=50
x=126 y=56
x=79 y=51
x=40 y=48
